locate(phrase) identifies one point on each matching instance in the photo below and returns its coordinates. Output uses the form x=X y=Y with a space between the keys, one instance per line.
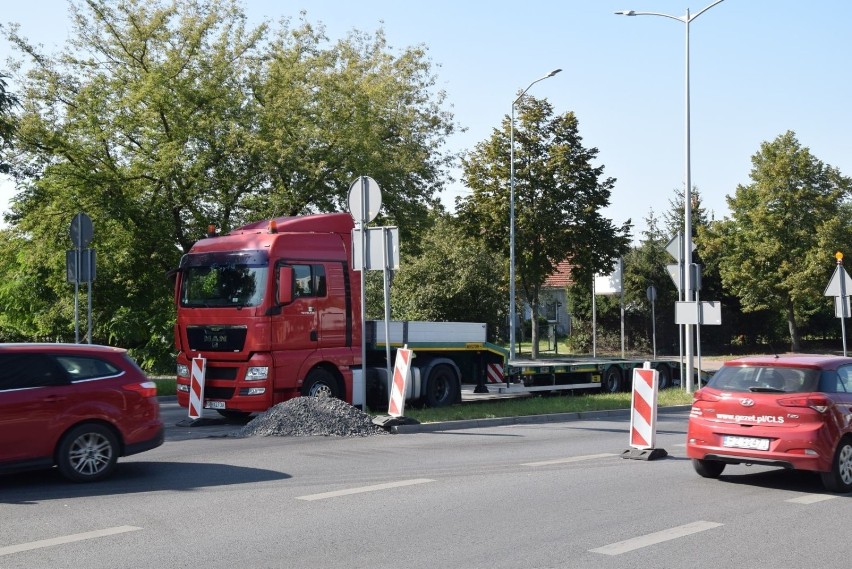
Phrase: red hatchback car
x=75 y=406
x=792 y=412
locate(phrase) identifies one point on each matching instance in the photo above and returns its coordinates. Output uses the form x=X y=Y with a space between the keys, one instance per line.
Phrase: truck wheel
x=320 y=383
x=839 y=478
x=665 y=376
x=442 y=386
x=87 y=453
x=612 y=380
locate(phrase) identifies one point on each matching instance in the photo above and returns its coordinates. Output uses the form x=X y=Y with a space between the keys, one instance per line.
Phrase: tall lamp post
x=687 y=198
x=512 y=313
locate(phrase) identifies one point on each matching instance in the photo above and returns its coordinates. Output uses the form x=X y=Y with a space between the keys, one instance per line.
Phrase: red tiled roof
x=561 y=277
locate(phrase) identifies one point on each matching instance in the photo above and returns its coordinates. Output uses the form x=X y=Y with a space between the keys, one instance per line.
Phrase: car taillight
x=145 y=388
x=703 y=395
x=818 y=403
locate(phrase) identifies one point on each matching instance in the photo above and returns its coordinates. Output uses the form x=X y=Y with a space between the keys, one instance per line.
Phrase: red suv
x=75 y=406
x=792 y=412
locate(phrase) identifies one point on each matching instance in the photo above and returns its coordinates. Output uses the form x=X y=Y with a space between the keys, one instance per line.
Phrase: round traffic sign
x=651 y=293
x=81 y=230
x=365 y=199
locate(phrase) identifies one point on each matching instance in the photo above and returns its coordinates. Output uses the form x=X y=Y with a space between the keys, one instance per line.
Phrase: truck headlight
x=256 y=373
x=183 y=370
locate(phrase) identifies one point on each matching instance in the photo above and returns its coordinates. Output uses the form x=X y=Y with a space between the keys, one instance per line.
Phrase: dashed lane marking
x=654 y=538
x=10 y=549
x=362 y=489
x=811 y=499
x=569 y=459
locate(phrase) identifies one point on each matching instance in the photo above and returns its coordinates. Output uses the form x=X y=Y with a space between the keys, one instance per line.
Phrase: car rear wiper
x=761 y=389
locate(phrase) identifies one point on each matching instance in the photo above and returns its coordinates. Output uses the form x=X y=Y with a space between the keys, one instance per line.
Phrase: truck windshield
x=223 y=279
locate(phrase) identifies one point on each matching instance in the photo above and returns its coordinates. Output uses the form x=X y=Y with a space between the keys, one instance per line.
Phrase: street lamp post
x=512 y=313
x=687 y=198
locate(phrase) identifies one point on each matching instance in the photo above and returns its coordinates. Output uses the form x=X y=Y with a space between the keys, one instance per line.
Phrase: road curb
x=505 y=421
x=525 y=420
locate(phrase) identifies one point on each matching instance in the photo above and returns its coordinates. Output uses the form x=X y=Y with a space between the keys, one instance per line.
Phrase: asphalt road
x=548 y=495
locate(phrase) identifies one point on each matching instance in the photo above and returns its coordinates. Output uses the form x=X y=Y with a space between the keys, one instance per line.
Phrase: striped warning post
x=643 y=416
x=196 y=388
x=494 y=373
x=401 y=367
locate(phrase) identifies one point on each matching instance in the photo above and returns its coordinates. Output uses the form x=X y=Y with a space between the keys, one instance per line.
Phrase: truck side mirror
x=285 y=285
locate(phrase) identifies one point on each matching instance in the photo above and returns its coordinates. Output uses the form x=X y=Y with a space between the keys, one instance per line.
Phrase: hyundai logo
x=747 y=402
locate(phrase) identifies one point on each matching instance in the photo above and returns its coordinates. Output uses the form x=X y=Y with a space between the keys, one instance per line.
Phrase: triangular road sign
x=833 y=288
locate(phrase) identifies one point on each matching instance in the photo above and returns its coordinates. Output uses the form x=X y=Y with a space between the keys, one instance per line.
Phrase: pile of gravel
x=306 y=416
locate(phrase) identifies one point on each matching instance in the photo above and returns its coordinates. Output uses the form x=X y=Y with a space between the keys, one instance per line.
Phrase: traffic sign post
x=80 y=267
x=365 y=201
x=651 y=292
x=838 y=287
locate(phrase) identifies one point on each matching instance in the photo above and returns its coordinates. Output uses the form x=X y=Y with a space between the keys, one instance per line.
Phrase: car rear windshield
x=772 y=379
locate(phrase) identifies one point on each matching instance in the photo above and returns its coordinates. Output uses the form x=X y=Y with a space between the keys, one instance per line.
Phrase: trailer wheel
x=442 y=386
x=612 y=380
x=320 y=383
x=665 y=376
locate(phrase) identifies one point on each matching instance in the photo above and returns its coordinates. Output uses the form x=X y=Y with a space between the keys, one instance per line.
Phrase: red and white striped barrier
x=494 y=373
x=643 y=415
x=196 y=388
x=401 y=368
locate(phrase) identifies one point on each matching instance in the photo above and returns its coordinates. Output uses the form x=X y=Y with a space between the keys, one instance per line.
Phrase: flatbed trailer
x=608 y=375
x=462 y=346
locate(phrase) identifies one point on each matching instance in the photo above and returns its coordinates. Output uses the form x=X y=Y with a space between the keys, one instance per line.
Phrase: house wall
x=553 y=305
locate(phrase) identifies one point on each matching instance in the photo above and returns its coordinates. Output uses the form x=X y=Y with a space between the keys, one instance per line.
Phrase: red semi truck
x=274 y=308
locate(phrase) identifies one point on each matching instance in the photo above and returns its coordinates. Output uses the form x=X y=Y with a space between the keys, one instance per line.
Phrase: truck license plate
x=214 y=404
x=745 y=442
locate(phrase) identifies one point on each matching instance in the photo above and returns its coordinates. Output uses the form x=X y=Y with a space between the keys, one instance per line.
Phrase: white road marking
x=811 y=499
x=8 y=550
x=654 y=538
x=569 y=459
x=362 y=489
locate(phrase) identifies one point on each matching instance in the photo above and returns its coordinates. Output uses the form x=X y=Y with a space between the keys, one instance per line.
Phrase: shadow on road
x=777 y=479
x=130 y=477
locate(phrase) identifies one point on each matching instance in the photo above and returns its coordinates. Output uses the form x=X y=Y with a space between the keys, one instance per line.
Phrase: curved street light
x=512 y=313
x=687 y=198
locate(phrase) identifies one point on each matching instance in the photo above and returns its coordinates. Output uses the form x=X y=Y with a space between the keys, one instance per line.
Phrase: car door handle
x=313 y=336
x=53 y=399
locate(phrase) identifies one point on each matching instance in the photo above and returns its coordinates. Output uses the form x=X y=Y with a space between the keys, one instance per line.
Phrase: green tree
x=645 y=266
x=328 y=115
x=159 y=118
x=455 y=278
x=774 y=252
x=558 y=198
x=8 y=102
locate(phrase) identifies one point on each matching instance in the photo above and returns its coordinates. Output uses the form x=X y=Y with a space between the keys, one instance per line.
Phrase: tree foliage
x=776 y=250
x=8 y=102
x=160 y=118
x=454 y=278
x=559 y=195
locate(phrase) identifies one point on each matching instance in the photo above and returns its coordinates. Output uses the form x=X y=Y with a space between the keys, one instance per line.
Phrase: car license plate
x=745 y=442
x=214 y=404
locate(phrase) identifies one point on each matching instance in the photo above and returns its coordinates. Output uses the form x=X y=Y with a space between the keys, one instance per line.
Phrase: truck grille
x=216 y=338
x=218 y=392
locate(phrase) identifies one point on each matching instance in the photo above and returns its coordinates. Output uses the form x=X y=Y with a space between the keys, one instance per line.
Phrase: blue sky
x=758 y=68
